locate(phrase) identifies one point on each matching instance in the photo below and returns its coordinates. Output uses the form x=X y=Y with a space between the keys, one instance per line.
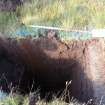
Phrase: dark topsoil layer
x=47 y=63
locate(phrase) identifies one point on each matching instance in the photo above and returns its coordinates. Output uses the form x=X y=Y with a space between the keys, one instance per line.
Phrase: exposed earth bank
x=49 y=63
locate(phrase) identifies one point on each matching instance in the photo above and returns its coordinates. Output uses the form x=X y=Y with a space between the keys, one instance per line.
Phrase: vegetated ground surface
x=72 y=14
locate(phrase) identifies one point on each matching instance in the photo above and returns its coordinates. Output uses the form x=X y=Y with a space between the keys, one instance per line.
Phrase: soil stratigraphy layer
x=49 y=63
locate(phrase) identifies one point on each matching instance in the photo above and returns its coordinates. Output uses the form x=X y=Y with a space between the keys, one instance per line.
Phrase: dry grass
x=73 y=14
x=16 y=99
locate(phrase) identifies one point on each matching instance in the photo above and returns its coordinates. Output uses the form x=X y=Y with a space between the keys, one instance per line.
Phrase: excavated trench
x=48 y=63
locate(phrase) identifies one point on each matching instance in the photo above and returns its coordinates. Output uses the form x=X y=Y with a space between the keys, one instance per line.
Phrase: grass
x=24 y=100
x=17 y=99
x=14 y=100
x=8 y=22
x=73 y=14
x=77 y=14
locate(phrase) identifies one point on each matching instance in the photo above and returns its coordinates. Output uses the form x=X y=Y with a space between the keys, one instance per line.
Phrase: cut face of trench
x=97 y=69
x=50 y=63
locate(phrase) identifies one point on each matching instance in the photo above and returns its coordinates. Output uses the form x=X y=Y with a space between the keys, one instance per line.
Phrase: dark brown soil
x=48 y=64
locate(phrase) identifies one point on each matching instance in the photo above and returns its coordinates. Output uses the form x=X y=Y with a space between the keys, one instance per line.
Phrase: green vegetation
x=17 y=99
x=8 y=22
x=14 y=100
x=73 y=14
x=20 y=100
